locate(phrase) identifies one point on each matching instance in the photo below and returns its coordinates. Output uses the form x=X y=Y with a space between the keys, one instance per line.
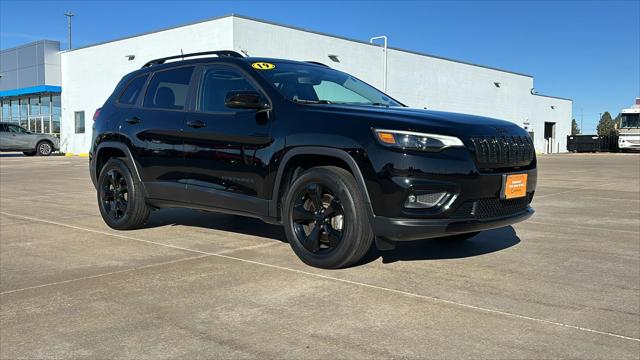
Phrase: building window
x=45 y=105
x=79 y=120
x=15 y=110
x=34 y=106
x=56 y=111
x=5 y=110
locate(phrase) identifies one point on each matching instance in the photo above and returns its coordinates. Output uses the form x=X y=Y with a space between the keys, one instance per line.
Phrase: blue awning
x=31 y=90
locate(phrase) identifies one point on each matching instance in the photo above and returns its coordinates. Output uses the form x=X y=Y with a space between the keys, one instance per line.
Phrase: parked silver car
x=17 y=138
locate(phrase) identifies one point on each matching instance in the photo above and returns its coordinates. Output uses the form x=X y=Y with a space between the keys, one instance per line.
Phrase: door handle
x=196 y=124
x=133 y=120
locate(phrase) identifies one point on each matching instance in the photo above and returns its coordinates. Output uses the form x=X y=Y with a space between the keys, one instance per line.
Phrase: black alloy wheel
x=318 y=219
x=121 y=197
x=326 y=219
x=114 y=194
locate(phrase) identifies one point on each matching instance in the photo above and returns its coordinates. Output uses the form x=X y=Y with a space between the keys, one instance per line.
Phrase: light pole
x=69 y=15
x=384 y=79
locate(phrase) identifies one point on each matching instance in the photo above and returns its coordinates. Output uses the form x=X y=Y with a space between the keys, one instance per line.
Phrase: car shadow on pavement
x=441 y=248
x=216 y=221
x=430 y=249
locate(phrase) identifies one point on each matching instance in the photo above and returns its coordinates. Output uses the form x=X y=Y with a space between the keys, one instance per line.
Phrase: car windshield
x=311 y=84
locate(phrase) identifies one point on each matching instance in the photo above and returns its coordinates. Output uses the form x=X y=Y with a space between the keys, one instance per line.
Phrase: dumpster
x=592 y=143
x=583 y=143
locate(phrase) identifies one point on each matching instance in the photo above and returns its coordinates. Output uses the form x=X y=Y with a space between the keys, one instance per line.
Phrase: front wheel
x=120 y=197
x=44 y=148
x=326 y=219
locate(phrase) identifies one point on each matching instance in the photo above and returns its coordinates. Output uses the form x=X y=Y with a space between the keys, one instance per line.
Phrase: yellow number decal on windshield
x=263 y=65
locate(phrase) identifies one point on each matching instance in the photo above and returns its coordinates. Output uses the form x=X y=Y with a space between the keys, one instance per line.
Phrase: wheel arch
x=109 y=149
x=313 y=156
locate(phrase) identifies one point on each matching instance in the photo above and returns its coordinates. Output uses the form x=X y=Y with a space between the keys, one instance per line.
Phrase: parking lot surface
x=192 y=284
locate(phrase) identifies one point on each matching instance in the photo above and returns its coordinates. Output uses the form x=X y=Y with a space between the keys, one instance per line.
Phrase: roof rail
x=318 y=63
x=219 y=53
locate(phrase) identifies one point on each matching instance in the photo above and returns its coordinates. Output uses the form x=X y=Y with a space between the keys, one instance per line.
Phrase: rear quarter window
x=131 y=93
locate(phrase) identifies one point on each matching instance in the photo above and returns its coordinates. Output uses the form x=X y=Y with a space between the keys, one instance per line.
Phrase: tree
x=606 y=126
x=617 y=121
x=575 y=130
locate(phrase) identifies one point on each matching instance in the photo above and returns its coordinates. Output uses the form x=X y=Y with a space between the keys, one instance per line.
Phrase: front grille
x=494 y=152
x=491 y=208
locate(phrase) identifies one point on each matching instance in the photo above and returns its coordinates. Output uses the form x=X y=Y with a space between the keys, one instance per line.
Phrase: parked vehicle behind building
x=629 y=131
x=335 y=161
x=16 y=138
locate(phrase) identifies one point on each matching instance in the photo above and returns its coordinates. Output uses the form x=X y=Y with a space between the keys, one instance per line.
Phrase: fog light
x=425 y=201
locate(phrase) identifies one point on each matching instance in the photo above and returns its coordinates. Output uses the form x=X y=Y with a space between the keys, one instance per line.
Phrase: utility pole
x=581 y=118
x=69 y=15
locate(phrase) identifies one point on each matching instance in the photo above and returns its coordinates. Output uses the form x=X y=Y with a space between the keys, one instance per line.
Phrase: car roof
x=223 y=59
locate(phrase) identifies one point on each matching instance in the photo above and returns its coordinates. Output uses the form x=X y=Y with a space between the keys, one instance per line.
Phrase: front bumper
x=416 y=229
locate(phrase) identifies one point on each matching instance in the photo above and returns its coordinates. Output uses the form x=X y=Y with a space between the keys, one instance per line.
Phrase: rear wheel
x=44 y=148
x=326 y=219
x=120 y=197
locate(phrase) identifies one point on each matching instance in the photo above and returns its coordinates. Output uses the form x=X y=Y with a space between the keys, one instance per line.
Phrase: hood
x=404 y=118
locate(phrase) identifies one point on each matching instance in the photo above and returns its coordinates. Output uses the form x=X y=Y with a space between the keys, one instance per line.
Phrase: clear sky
x=585 y=50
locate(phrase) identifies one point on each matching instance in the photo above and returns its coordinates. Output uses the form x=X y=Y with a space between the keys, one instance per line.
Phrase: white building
x=90 y=73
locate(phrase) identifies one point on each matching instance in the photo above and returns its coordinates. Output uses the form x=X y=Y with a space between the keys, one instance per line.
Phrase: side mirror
x=244 y=99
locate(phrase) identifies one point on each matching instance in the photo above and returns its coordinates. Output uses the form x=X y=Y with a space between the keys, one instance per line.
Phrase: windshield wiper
x=302 y=101
x=379 y=104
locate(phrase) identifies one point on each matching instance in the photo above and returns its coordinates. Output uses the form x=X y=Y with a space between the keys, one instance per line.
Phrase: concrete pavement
x=192 y=285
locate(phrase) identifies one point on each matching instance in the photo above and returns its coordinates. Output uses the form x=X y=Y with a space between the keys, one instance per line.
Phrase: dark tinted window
x=130 y=94
x=217 y=82
x=79 y=121
x=16 y=129
x=168 y=89
x=3 y=127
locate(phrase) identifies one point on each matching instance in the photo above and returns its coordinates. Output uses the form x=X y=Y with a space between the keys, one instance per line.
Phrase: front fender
x=324 y=151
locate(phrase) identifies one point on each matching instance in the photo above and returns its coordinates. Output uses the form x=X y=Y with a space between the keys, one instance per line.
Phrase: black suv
x=335 y=161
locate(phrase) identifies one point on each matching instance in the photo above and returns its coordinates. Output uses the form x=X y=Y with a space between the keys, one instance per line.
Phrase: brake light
x=96 y=114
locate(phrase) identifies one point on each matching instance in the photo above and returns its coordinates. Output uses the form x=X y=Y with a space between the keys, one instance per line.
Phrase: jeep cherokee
x=335 y=161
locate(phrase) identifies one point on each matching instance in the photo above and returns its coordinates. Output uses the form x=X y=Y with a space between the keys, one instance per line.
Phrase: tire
x=44 y=148
x=120 y=197
x=29 y=153
x=335 y=236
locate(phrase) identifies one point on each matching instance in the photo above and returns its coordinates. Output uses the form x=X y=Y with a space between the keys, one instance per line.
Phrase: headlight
x=415 y=140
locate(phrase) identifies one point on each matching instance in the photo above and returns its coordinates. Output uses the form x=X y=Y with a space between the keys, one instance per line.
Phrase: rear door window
x=130 y=95
x=168 y=89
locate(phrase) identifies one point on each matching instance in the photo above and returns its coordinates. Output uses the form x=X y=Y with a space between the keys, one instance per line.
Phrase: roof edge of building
x=554 y=97
x=28 y=44
x=31 y=90
x=295 y=28
x=367 y=43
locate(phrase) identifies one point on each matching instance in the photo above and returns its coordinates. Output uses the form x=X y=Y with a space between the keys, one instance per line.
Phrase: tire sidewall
x=346 y=248
x=132 y=189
